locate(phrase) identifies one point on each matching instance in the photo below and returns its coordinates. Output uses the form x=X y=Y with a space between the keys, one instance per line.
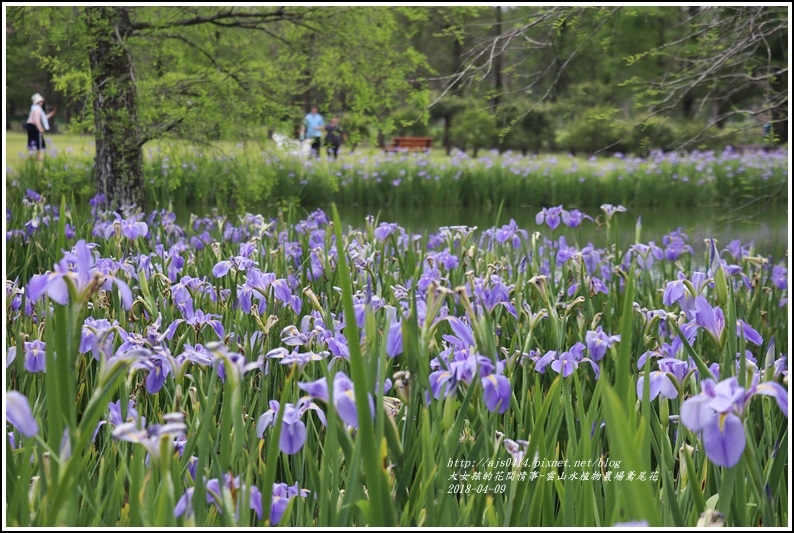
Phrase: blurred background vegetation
x=580 y=80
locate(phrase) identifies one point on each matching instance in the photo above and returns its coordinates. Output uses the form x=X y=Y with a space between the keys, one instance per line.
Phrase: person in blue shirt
x=313 y=126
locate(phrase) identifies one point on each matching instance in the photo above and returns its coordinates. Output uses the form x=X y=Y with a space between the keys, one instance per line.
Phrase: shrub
x=594 y=130
x=474 y=128
x=652 y=134
x=524 y=128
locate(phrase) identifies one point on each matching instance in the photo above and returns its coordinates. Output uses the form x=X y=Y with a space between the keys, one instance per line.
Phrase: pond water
x=766 y=227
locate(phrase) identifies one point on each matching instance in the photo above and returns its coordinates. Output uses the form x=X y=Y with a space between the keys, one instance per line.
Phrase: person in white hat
x=38 y=123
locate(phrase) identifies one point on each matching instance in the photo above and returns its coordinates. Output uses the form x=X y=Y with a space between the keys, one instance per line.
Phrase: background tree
x=706 y=64
x=199 y=73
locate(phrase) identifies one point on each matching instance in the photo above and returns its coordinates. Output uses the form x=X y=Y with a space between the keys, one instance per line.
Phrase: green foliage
x=410 y=121
x=474 y=127
x=595 y=129
x=524 y=128
x=225 y=80
x=405 y=463
x=240 y=178
x=652 y=134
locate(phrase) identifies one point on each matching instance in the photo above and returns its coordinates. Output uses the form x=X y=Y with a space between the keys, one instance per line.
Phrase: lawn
x=16 y=144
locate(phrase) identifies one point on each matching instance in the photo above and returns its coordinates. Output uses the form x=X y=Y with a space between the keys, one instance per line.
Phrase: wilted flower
x=232 y=485
x=150 y=438
x=610 y=210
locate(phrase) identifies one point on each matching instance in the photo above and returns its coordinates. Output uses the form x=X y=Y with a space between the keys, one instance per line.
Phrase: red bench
x=410 y=144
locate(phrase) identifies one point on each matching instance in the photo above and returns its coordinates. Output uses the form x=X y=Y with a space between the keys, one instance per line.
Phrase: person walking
x=333 y=138
x=313 y=126
x=38 y=123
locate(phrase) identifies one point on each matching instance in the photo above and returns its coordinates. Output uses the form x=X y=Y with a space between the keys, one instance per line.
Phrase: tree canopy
x=651 y=76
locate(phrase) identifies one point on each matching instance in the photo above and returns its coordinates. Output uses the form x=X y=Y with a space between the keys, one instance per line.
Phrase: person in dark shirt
x=333 y=137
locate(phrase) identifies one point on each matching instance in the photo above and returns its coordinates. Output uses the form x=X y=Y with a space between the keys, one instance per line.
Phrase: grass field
x=83 y=145
x=16 y=144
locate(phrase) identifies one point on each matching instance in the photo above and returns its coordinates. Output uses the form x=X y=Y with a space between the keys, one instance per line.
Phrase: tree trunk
x=118 y=169
x=447 y=133
x=497 y=63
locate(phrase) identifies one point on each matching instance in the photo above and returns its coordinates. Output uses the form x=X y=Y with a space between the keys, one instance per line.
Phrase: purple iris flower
x=574 y=218
x=175 y=262
x=257 y=285
x=131 y=228
x=35 y=356
x=684 y=292
x=661 y=384
x=711 y=319
x=316 y=389
x=676 y=367
x=215 y=490
x=646 y=254
x=780 y=277
x=445 y=259
x=199 y=320
x=282 y=494
x=158 y=367
x=598 y=342
x=675 y=244
x=97 y=337
x=551 y=216
x=464 y=336
x=384 y=230
x=564 y=252
x=596 y=286
x=345 y=400
x=492 y=292
x=565 y=364
x=442 y=381
x=32 y=195
x=592 y=258
x=85 y=277
x=750 y=334
x=293 y=430
x=294 y=358
x=568 y=361
x=344 y=397
x=114 y=416
x=197 y=354
x=237 y=263
x=511 y=232
x=737 y=251
x=192 y=464
x=292 y=336
x=545 y=360
x=718 y=411
x=337 y=344
x=239 y=365
x=394 y=339
x=496 y=392
x=283 y=293
x=19 y=414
